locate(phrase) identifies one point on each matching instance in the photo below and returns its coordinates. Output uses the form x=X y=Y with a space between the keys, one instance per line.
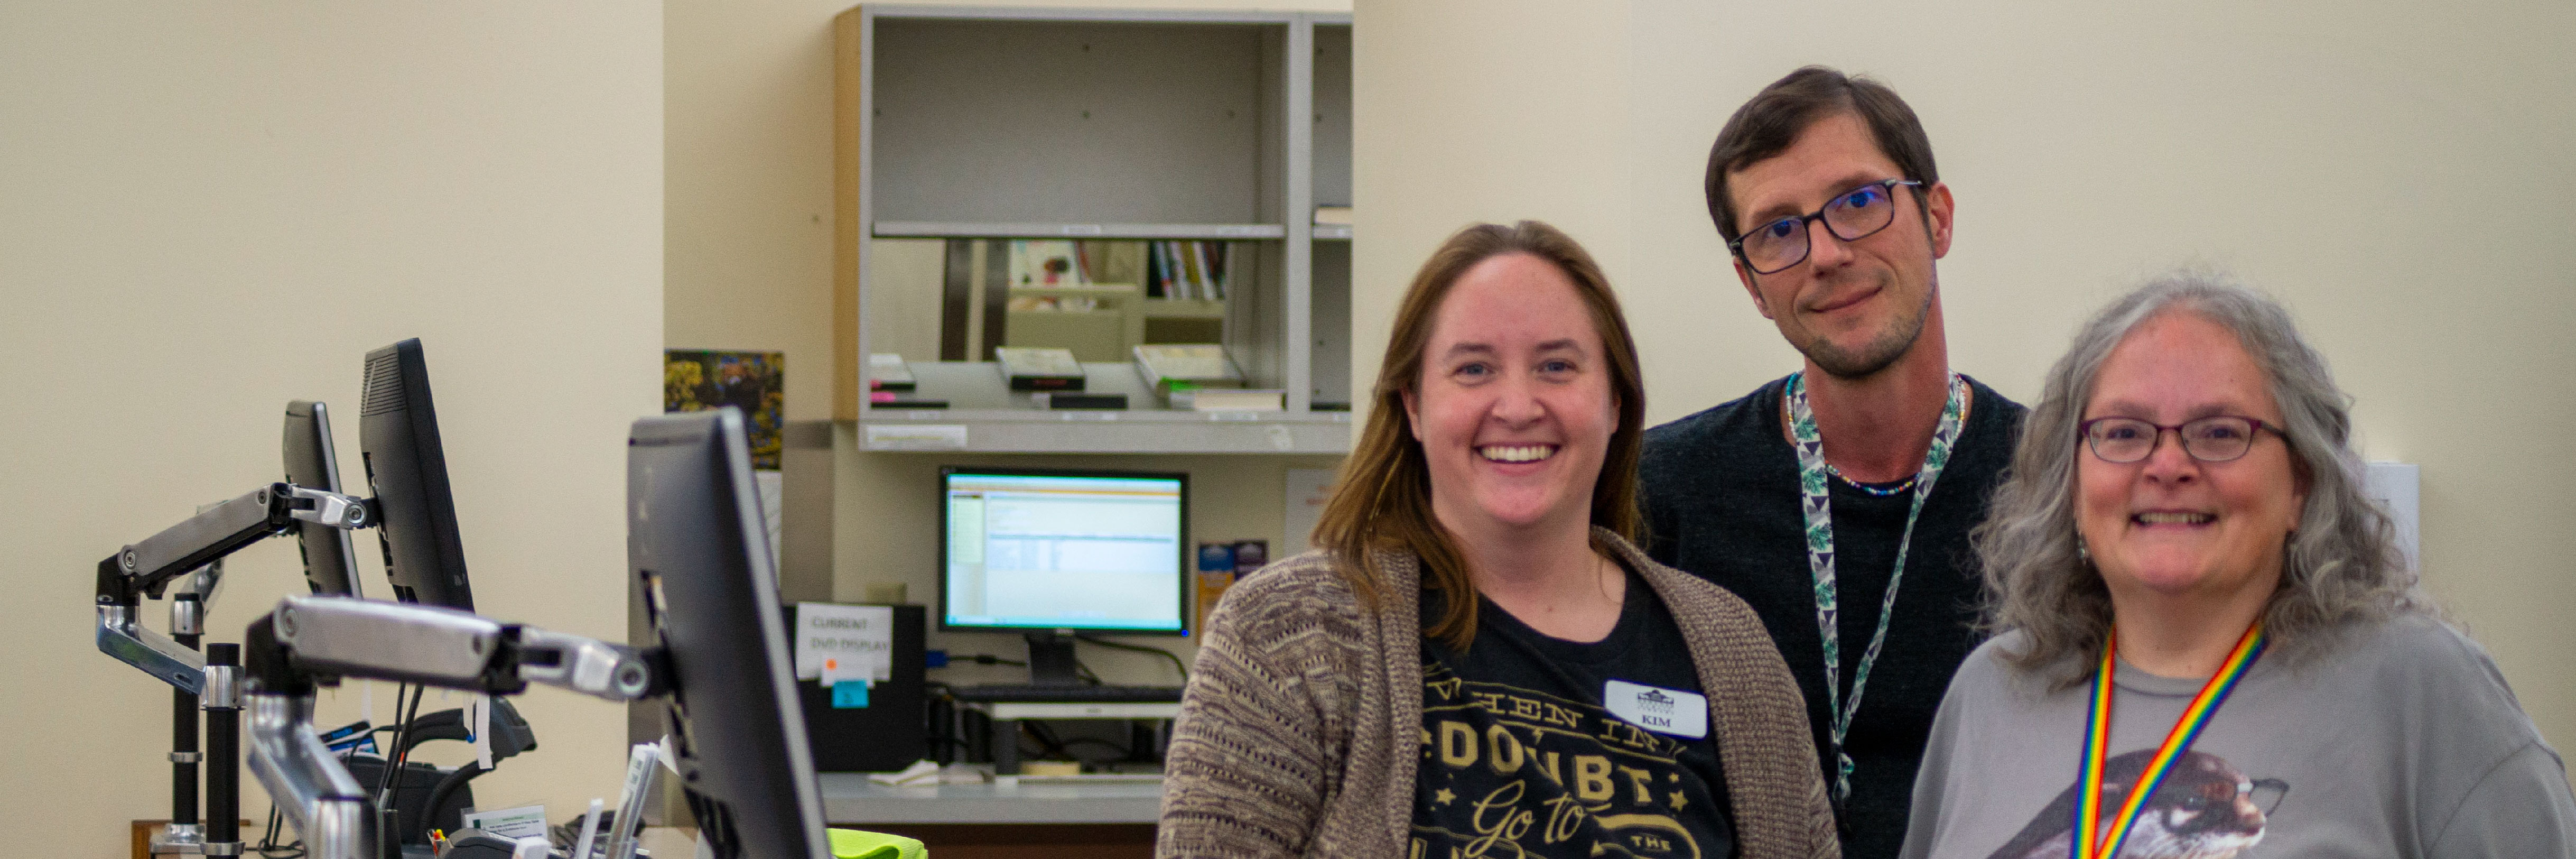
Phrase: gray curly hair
x=2343 y=565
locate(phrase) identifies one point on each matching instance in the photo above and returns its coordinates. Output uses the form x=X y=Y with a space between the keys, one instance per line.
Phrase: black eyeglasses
x=1851 y=215
x=2217 y=438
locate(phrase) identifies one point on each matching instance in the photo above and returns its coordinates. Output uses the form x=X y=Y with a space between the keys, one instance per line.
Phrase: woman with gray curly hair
x=2215 y=635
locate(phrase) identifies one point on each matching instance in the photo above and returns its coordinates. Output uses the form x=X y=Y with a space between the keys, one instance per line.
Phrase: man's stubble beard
x=1877 y=354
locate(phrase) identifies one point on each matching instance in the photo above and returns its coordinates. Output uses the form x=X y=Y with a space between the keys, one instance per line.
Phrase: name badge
x=1663 y=711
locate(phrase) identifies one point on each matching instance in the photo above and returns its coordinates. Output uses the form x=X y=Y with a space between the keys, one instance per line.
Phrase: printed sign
x=859 y=637
x=522 y=822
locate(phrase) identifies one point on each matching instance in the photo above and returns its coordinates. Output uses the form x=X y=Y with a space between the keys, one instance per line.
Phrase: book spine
x=1221 y=263
x=1153 y=274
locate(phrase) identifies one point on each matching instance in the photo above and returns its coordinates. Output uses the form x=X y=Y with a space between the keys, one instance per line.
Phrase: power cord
x=268 y=846
x=1177 y=665
x=389 y=788
x=981 y=659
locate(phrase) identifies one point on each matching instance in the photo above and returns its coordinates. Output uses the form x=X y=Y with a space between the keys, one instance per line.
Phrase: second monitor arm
x=147 y=567
x=315 y=640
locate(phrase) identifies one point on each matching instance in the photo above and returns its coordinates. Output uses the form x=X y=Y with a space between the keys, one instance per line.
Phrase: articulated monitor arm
x=146 y=568
x=319 y=640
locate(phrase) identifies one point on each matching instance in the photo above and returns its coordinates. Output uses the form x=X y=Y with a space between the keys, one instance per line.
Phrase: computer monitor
x=407 y=472
x=1050 y=553
x=330 y=561
x=698 y=544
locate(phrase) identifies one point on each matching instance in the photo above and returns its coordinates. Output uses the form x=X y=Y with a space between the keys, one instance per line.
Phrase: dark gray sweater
x=1721 y=495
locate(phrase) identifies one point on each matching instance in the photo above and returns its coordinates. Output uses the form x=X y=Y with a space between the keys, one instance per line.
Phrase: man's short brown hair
x=1768 y=124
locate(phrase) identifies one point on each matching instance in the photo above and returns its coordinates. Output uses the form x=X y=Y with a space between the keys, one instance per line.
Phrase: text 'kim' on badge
x=1663 y=711
x=859 y=637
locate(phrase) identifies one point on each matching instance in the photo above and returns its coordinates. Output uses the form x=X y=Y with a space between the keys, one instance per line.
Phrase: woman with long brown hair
x=1477 y=660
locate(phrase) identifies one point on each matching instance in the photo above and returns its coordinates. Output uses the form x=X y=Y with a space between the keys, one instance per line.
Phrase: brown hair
x=1768 y=124
x=1382 y=501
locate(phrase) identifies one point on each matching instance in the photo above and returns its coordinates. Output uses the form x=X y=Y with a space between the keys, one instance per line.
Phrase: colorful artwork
x=698 y=379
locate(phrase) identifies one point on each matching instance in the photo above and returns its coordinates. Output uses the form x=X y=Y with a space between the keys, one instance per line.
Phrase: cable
x=385 y=779
x=980 y=659
x=1052 y=744
x=1177 y=665
x=389 y=791
x=1122 y=751
x=268 y=846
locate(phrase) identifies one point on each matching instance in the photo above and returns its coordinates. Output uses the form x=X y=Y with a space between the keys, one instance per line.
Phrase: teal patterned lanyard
x=1817 y=499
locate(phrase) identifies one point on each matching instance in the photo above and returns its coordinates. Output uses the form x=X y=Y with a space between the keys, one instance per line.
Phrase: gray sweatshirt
x=2399 y=739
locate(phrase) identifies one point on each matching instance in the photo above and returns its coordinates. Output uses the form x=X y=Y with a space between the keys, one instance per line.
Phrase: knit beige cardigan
x=1300 y=730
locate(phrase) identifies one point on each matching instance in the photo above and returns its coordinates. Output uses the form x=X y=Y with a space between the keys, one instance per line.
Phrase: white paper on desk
x=859 y=635
x=521 y=822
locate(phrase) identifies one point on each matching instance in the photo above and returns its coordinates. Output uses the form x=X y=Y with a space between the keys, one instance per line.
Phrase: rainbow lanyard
x=2097 y=742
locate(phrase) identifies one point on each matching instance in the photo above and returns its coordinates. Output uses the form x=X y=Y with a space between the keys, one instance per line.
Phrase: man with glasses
x=1854 y=481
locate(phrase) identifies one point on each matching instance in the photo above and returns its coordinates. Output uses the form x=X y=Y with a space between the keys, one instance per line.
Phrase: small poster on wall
x=701 y=379
x=698 y=379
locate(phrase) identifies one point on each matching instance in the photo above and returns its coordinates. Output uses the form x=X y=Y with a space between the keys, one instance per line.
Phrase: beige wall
x=2397 y=178
x=748 y=251
x=213 y=209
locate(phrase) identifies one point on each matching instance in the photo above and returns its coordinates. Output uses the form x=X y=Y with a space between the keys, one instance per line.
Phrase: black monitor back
x=698 y=544
x=407 y=471
x=330 y=560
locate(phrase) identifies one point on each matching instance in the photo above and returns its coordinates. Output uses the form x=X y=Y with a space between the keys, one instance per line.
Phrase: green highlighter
x=856 y=844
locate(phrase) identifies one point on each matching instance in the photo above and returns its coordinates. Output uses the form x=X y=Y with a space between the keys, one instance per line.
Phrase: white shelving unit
x=1009 y=123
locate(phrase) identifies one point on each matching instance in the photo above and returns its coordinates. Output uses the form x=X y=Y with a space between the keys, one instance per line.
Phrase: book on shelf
x=1039 y=369
x=1193 y=268
x=1213 y=257
x=1187 y=269
x=1168 y=365
x=1168 y=262
x=1229 y=399
x=888 y=372
x=1333 y=216
x=893 y=400
x=1079 y=400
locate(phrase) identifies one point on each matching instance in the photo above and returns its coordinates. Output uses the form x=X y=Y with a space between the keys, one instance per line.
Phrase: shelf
x=1134 y=432
x=986 y=230
x=985 y=415
x=1332 y=232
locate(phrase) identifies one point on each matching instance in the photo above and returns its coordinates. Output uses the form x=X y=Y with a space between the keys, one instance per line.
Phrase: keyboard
x=1031 y=693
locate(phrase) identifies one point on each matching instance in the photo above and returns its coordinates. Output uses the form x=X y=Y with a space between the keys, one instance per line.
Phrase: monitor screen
x=330 y=560
x=699 y=547
x=407 y=472
x=1078 y=550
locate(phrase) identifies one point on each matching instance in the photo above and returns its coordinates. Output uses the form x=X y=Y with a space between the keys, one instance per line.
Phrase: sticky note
x=850 y=694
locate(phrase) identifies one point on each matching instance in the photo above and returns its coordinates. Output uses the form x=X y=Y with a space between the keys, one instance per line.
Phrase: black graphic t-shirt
x=1520 y=757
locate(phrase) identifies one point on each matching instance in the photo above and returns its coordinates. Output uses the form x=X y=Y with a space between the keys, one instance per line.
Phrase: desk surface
x=850 y=798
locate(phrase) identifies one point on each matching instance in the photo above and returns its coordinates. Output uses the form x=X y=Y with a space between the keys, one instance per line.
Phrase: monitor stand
x=1051 y=658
